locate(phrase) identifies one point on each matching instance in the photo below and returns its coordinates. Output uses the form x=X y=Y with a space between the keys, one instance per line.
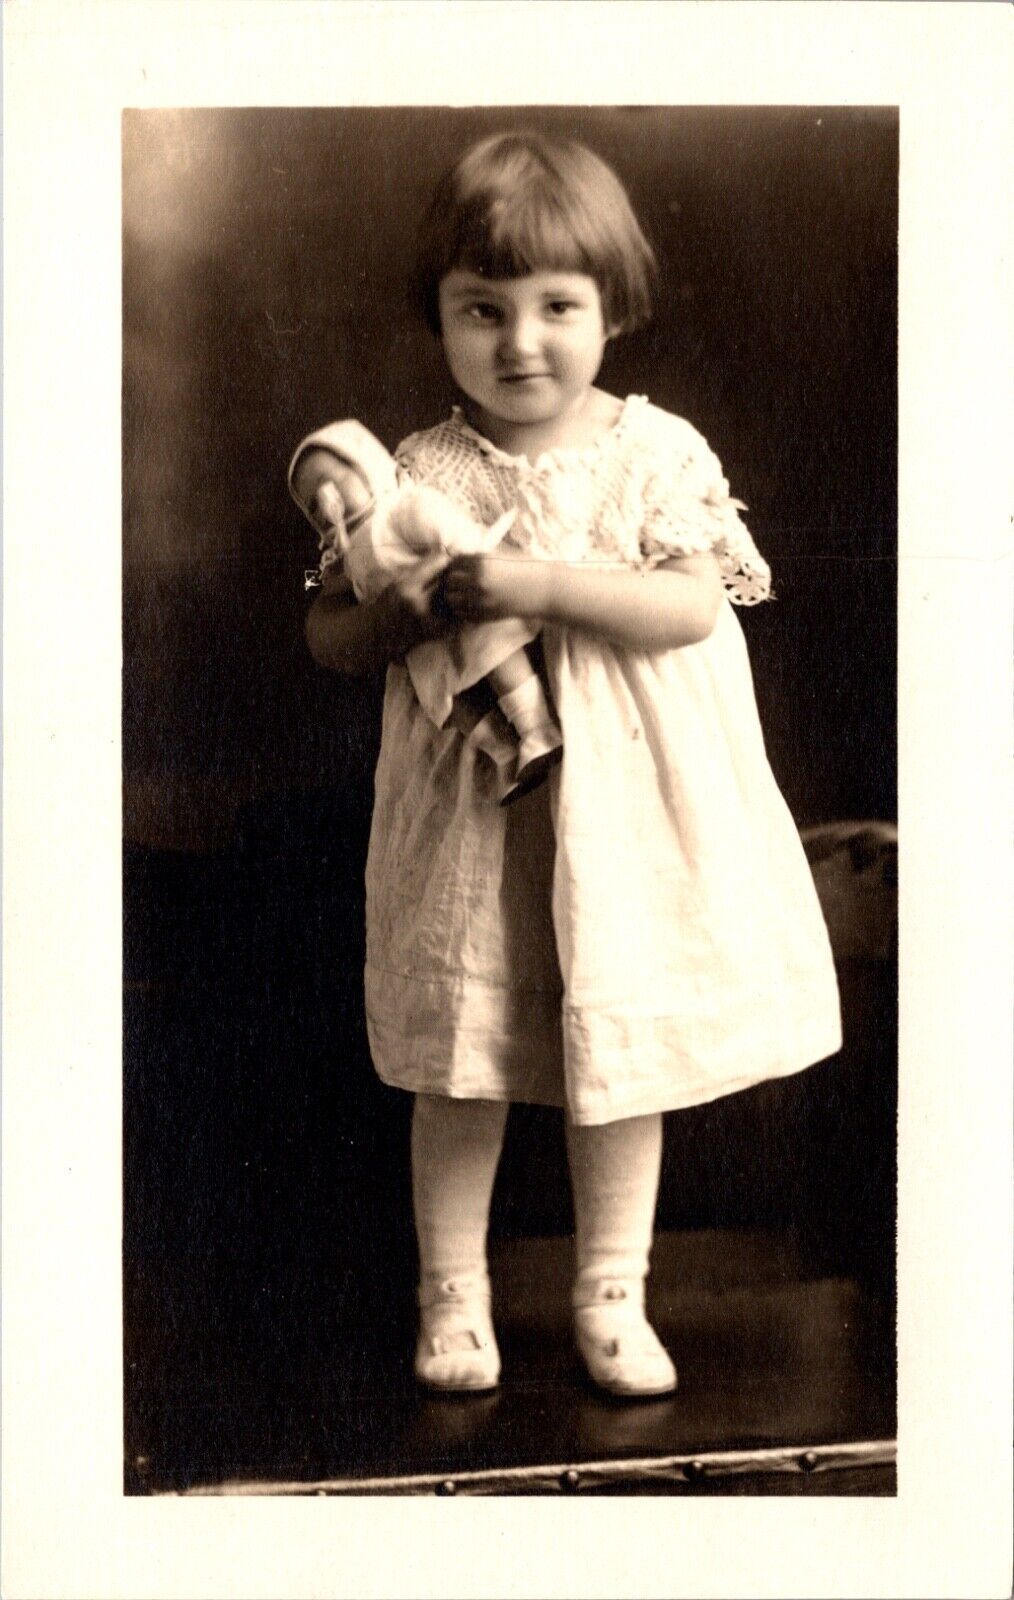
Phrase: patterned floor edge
x=572 y=1478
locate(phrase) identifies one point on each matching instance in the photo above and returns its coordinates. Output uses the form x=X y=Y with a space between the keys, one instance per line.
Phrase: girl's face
x=526 y=351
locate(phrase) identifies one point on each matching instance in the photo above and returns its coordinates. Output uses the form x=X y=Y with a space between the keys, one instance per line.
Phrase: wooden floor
x=786 y=1387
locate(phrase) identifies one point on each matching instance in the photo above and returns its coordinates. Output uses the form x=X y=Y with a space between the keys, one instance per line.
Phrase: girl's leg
x=456 y=1148
x=614 y=1173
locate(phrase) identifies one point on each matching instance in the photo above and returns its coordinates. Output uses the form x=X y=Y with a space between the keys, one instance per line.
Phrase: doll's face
x=329 y=488
x=525 y=351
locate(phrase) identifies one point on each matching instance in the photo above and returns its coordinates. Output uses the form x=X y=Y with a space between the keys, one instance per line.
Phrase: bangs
x=527 y=231
x=517 y=203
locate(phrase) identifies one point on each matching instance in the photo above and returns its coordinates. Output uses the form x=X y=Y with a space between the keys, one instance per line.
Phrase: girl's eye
x=559 y=308
x=482 y=311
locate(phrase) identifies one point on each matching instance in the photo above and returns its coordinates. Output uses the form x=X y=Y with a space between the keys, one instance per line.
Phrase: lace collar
x=562 y=454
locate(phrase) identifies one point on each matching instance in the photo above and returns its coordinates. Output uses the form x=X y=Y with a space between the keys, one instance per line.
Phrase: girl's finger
x=431 y=570
x=439 y=597
x=436 y=561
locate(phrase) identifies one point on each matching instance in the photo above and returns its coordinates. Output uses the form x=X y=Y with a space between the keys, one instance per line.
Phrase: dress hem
x=822 y=1048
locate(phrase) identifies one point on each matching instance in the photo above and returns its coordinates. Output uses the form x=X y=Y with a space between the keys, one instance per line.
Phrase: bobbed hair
x=517 y=203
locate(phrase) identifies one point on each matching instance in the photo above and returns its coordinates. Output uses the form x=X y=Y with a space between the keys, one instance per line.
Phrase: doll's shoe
x=457 y=1351
x=618 y=1345
x=539 y=751
x=508 y=788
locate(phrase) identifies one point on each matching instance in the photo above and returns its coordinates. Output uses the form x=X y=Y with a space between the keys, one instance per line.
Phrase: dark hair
x=517 y=203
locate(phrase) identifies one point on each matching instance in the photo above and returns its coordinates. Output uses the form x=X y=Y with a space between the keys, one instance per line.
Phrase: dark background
x=264 y=259
x=265 y=256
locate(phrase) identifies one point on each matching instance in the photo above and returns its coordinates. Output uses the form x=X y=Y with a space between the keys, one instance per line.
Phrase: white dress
x=643 y=933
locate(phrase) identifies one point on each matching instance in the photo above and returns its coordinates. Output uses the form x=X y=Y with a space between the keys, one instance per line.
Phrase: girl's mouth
x=522 y=377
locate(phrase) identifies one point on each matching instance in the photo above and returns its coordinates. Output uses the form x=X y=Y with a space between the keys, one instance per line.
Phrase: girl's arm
x=359 y=638
x=675 y=604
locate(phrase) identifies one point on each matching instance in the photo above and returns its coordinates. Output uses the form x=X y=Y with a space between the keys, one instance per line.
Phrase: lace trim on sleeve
x=690 y=511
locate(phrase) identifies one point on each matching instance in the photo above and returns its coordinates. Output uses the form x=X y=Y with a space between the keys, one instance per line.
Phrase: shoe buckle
x=442 y=1345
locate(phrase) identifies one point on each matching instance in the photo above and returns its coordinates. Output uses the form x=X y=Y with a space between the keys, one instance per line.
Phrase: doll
x=375 y=523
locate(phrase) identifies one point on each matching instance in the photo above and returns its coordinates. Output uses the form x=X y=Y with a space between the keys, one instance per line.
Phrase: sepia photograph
x=507 y=855
x=509 y=780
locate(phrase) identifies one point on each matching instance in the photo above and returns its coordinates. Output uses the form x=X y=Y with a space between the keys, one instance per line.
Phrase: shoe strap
x=460 y=1290
x=610 y=1291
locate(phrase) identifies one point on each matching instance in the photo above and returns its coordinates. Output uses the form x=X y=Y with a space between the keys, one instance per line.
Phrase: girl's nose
x=520 y=338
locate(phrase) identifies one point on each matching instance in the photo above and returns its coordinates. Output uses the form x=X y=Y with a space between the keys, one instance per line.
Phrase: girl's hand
x=488 y=588
x=414 y=602
x=355 y=638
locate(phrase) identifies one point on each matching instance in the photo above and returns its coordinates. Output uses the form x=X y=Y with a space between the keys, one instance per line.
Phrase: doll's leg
x=456 y=1148
x=614 y=1172
x=522 y=699
x=480 y=722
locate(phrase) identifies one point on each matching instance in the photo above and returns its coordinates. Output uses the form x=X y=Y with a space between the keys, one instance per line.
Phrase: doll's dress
x=643 y=934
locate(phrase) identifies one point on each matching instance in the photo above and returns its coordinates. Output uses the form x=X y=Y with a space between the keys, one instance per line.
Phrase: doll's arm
x=336 y=476
x=406 y=525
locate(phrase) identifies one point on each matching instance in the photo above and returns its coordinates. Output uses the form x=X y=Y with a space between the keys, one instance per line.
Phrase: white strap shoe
x=457 y=1350
x=618 y=1345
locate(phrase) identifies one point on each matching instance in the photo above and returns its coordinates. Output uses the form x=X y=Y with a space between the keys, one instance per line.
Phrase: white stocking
x=456 y=1148
x=614 y=1172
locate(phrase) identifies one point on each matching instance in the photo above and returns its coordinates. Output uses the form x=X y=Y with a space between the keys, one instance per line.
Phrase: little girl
x=641 y=933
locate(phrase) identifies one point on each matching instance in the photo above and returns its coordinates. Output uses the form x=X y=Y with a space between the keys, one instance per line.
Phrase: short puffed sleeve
x=688 y=510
